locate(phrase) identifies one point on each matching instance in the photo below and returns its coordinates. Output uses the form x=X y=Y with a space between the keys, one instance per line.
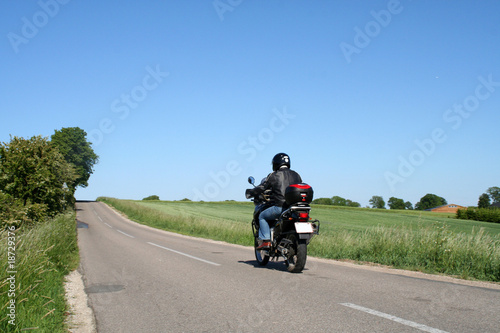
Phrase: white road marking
x=108 y=225
x=394 y=318
x=97 y=215
x=125 y=233
x=185 y=254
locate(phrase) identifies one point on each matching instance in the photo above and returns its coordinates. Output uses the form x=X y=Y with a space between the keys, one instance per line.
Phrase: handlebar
x=263 y=196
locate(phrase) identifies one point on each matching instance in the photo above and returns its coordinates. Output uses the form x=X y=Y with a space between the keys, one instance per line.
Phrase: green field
x=424 y=241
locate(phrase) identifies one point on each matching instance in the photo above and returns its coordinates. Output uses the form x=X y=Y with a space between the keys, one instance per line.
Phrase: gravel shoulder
x=81 y=317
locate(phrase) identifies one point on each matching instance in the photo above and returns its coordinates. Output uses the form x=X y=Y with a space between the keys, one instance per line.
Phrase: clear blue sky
x=186 y=99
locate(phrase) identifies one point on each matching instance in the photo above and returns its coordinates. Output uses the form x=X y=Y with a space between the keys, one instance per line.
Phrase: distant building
x=497 y=205
x=450 y=208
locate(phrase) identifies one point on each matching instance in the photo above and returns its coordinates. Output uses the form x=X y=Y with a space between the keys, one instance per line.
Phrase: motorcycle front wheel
x=297 y=254
x=262 y=256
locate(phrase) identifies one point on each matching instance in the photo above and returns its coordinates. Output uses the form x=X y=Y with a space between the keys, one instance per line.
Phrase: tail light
x=303 y=216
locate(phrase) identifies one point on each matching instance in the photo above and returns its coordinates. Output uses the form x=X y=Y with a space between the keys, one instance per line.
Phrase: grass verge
x=415 y=241
x=34 y=263
x=432 y=249
x=190 y=223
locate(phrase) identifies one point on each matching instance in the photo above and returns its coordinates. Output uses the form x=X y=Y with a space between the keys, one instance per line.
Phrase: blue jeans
x=269 y=214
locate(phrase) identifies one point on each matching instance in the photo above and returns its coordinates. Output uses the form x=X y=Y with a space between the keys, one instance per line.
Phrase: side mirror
x=251 y=180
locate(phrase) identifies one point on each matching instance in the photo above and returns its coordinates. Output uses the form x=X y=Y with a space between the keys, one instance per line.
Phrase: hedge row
x=480 y=214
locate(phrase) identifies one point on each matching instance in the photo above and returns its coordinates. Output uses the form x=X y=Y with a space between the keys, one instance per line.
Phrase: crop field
x=416 y=240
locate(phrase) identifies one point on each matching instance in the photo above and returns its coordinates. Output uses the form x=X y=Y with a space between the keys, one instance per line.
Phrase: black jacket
x=277 y=182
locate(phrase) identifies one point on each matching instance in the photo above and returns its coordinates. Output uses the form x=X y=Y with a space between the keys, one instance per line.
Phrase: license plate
x=303 y=228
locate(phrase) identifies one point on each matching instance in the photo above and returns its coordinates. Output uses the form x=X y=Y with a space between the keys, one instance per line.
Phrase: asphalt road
x=140 y=279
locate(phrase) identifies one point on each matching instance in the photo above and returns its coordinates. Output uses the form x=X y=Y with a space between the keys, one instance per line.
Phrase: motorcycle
x=291 y=232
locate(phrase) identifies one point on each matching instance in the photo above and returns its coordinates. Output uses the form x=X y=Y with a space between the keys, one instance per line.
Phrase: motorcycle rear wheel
x=297 y=254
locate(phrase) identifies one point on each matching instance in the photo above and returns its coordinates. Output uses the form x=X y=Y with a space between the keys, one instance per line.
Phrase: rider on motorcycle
x=277 y=181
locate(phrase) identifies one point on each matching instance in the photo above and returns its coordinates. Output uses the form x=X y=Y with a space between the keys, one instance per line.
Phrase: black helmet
x=279 y=160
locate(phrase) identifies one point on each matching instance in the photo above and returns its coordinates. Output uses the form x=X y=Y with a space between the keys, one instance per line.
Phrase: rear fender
x=307 y=237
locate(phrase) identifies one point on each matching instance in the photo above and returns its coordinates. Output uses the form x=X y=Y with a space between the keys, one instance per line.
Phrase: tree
x=484 y=201
x=34 y=172
x=323 y=201
x=408 y=205
x=338 y=201
x=73 y=145
x=396 y=203
x=430 y=201
x=152 y=197
x=494 y=193
x=377 y=202
x=351 y=203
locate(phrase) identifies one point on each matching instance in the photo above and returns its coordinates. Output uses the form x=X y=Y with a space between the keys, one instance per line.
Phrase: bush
x=14 y=213
x=480 y=214
x=34 y=171
x=152 y=197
